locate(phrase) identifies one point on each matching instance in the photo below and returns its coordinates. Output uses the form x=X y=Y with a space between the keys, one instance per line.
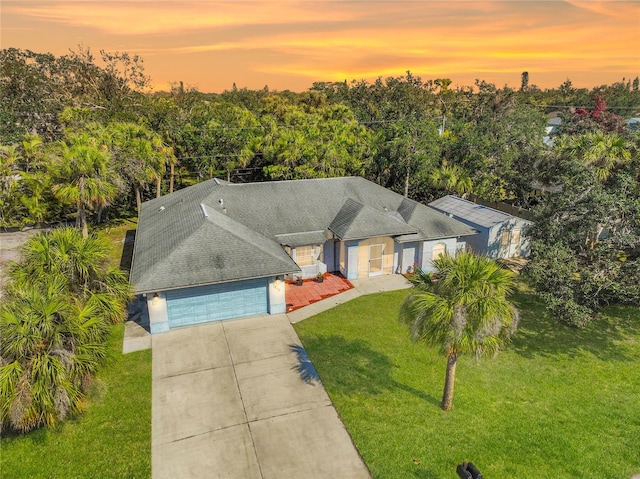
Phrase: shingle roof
x=470 y=211
x=238 y=228
x=302 y=238
x=217 y=250
x=434 y=225
x=356 y=221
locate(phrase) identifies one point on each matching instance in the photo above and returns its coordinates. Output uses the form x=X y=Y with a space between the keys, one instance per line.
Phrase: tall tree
x=140 y=156
x=586 y=238
x=235 y=132
x=524 y=83
x=497 y=140
x=412 y=149
x=82 y=176
x=465 y=310
x=302 y=141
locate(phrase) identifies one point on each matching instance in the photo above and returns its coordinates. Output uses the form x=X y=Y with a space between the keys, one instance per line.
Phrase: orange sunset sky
x=291 y=44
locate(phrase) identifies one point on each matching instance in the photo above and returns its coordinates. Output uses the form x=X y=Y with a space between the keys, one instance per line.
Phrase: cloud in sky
x=290 y=44
x=144 y=17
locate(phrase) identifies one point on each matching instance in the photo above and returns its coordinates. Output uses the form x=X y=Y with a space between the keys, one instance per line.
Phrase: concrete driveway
x=240 y=399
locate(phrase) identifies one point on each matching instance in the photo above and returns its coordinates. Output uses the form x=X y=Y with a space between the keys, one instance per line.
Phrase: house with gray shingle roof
x=218 y=250
x=501 y=235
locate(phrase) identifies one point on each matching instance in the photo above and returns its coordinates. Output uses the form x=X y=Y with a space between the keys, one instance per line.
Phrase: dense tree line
x=586 y=235
x=83 y=139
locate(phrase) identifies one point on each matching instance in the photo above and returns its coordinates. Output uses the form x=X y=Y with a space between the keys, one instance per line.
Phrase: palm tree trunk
x=229 y=176
x=171 y=178
x=82 y=218
x=406 y=184
x=447 y=396
x=158 y=186
x=138 y=199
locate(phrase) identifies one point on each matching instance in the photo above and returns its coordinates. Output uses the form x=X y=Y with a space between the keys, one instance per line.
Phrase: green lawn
x=558 y=403
x=116 y=232
x=112 y=440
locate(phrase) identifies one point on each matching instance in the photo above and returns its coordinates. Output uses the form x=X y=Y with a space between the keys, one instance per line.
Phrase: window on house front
x=504 y=240
x=515 y=237
x=438 y=250
x=306 y=255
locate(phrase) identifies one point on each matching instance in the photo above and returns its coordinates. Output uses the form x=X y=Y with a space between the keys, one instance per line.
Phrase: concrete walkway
x=240 y=399
x=361 y=287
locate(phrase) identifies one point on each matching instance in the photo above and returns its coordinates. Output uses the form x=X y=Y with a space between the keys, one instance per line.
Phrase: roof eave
x=209 y=283
x=376 y=235
x=429 y=238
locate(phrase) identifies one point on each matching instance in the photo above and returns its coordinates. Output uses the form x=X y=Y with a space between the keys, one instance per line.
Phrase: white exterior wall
x=311 y=271
x=451 y=245
x=277 y=301
x=410 y=257
x=329 y=256
x=496 y=250
x=158 y=314
x=478 y=242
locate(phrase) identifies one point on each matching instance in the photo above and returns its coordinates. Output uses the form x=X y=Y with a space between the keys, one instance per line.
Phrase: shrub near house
x=54 y=321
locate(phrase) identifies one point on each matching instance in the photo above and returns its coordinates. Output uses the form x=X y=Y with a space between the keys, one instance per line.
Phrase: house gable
x=218 y=250
x=357 y=221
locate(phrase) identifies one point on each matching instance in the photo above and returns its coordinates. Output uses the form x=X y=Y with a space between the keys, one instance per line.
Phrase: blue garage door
x=216 y=302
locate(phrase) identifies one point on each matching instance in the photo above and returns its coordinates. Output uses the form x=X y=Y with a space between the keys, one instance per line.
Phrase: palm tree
x=32 y=146
x=34 y=195
x=452 y=179
x=53 y=326
x=140 y=156
x=51 y=348
x=9 y=176
x=82 y=177
x=465 y=310
x=109 y=295
x=602 y=151
x=81 y=262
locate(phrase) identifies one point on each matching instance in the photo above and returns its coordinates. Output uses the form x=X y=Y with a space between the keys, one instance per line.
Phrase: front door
x=375 y=259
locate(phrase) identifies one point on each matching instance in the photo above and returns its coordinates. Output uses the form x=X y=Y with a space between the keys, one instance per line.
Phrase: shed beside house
x=501 y=235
